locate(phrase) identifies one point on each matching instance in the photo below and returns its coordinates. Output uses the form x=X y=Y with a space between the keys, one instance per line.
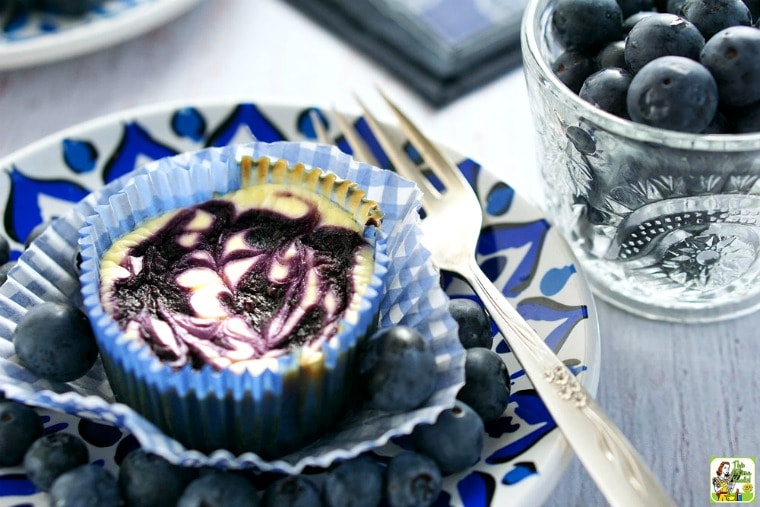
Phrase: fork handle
x=611 y=461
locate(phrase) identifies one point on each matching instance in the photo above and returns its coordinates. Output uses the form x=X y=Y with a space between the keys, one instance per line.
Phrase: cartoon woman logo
x=721 y=482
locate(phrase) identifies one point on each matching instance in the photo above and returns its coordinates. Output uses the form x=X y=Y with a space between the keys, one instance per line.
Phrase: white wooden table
x=680 y=393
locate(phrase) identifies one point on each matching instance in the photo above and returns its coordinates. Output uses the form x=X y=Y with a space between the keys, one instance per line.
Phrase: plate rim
x=589 y=378
x=91 y=37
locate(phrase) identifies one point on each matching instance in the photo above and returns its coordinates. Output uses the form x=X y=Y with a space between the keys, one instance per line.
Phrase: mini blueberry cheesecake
x=231 y=321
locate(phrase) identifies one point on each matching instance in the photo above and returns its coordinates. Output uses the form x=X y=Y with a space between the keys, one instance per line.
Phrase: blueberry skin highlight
x=587 y=25
x=397 y=369
x=148 y=480
x=661 y=35
x=712 y=16
x=354 y=483
x=55 y=341
x=486 y=387
x=733 y=58
x=52 y=455
x=85 y=486
x=612 y=55
x=630 y=21
x=20 y=426
x=219 y=489
x=292 y=491
x=454 y=441
x=674 y=93
x=607 y=89
x=412 y=480
x=572 y=68
x=474 y=323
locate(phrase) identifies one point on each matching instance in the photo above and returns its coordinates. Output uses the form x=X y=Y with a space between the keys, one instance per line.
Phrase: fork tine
x=440 y=165
x=358 y=147
x=319 y=127
x=404 y=167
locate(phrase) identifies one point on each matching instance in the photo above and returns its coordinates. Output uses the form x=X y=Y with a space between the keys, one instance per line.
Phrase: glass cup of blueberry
x=648 y=121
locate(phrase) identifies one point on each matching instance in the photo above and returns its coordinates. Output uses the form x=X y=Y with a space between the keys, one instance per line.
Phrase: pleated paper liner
x=411 y=295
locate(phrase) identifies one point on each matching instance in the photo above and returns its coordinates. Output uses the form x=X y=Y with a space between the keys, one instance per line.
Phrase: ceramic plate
x=524 y=455
x=43 y=37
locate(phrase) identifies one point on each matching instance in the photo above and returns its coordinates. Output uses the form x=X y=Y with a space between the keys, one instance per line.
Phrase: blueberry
x=607 y=89
x=454 y=441
x=354 y=483
x=5 y=250
x=397 y=369
x=4 y=269
x=747 y=120
x=291 y=491
x=719 y=125
x=70 y=7
x=148 y=480
x=612 y=55
x=219 y=489
x=631 y=7
x=85 y=486
x=412 y=480
x=587 y=25
x=733 y=58
x=20 y=426
x=51 y=455
x=754 y=8
x=486 y=388
x=572 y=68
x=712 y=16
x=661 y=35
x=630 y=21
x=55 y=341
x=673 y=93
x=674 y=6
x=35 y=232
x=474 y=323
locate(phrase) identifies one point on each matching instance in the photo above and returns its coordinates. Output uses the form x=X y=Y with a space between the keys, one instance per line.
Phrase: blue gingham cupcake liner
x=291 y=399
x=412 y=296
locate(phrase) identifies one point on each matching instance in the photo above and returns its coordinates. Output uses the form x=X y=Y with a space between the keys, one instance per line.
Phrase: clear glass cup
x=665 y=224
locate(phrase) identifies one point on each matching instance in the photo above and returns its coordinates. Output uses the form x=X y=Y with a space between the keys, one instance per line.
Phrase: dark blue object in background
x=440 y=48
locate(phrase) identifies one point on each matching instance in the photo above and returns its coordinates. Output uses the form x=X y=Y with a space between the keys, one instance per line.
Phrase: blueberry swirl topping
x=250 y=275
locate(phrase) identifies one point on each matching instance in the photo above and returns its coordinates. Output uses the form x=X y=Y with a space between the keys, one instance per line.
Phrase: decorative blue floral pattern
x=518 y=250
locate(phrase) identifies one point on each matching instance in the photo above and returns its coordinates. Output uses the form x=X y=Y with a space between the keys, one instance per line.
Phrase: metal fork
x=616 y=467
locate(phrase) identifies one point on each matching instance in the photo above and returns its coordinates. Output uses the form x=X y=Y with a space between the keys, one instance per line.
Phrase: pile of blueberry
x=396 y=368
x=684 y=65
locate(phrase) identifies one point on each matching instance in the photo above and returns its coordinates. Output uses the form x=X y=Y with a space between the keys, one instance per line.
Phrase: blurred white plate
x=42 y=37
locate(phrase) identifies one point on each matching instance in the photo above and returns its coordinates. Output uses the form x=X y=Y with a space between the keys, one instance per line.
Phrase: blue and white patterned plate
x=41 y=37
x=524 y=456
